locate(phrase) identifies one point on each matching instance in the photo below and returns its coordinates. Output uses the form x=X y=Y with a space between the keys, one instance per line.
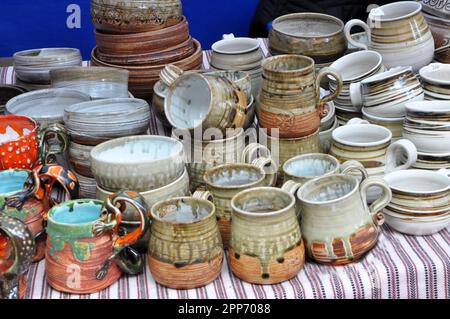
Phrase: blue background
x=28 y=24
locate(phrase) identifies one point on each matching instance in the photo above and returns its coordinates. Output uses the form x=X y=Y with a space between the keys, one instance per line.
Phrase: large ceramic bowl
x=45 y=106
x=316 y=35
x=139 y=163
x=97 y=82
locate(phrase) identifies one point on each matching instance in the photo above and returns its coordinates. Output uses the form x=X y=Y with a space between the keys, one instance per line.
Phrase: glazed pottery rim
x=309 y=14
x=254 y=42
x=301 y=157
x=410 y=173
x=263 y=214
x=426 y=70
x=432 y=106
x=92 y=69
x=273 y=59
x=29 y=119
x=209 y=182
x=164 y=202
x=391 y=73
x=357 y=53
x=137 y=103
x=74 y=201
x=381 y=119
x=12 y=171
x=361 y=144
x=301 y=191
x=417 y=9
x=71 y=51
x=122 y=141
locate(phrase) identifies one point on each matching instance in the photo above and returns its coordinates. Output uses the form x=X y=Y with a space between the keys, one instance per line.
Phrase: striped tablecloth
x=398 y=267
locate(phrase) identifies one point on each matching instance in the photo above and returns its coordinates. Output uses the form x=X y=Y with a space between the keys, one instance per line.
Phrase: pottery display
x=34 y=66
x=185 y=249
x=97 y=82
x=80 y=158
x=420 y=203
x=141 y=163
x=118 y=16
x=241 y=79
x=16 y=255
x=385 y=94
x=91 y=123
x=7 y=92
x=436 y=81
x=266 y=244
x=23 y=144
x=84 y=234
x=393 y=124
x=399 y=32
x=338 y=226
x=290 y=95
x=45 y=106
x=354 y=67
x=427 y=125
x=318 y=36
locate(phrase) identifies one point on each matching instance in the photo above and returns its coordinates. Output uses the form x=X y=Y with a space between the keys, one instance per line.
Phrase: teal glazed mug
x=86 y=251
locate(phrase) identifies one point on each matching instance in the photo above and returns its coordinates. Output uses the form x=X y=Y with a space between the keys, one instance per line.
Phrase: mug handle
x=356 y=95
x=50 y=174
x=337 y=76
x=228 y=36
x=291 y=187
x=357 y=120
x=349 y=26
x=353 y=165
x=250 y=152
x=380 y=203
x=397 y=150
x=46 y=153
x=267 y=163
x=169 y=74
x=200 y=193
x=31 y=187
x=241 y=106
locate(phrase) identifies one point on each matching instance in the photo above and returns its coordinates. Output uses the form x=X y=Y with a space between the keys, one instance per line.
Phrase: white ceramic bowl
x=412 y=226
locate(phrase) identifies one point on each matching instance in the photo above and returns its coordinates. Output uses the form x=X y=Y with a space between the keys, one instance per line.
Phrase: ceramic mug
x=185 y=248
x=85 y=252
x=399 y=32
x=17 y=249
x=24 y=144
x=338 y=226
x=27 y=196
x=266 y=245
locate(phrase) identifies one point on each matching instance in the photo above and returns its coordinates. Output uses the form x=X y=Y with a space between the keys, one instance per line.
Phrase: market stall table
x=400 y=266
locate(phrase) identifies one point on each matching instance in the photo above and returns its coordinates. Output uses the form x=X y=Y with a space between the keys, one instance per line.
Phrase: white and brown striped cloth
x=399 y=266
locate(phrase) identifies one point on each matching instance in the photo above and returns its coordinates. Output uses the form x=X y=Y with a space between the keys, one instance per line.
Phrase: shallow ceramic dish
x=7 y=92
x=417 y=227
x=316 y=35
x=45 y=106
x=34 y=65
x=140 y=163
x=94 y=122
x=97 y=82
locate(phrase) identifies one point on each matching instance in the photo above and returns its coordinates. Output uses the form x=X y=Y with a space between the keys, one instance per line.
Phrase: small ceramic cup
x=266 y=245
x=338 y=226
x=185 y=248
x=85 y=252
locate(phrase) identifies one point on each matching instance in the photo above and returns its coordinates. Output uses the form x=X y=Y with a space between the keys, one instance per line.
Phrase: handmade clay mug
x=85 y=252
x=27 y=196
x=225 y=181
x=338 y=226
x=399 y=32
x=266 y=245
x=17 y=249
x=24 y=145
x=290 y=96
x=185 y=248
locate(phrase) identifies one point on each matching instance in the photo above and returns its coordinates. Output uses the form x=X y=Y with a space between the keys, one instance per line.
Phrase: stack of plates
x=420 y=202
x=34 y=66
x=436 y=81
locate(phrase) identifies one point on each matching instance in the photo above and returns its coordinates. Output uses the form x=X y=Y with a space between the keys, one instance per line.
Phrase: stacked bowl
x=427 y=125
x=142 y=37
x=436 y=81
x=420 y=202
x=94 y=122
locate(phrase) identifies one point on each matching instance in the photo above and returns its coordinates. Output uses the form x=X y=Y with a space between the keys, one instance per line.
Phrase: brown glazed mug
x=290 y=95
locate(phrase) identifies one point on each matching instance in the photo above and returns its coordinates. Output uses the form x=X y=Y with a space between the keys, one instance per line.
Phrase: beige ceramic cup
x=338 y=226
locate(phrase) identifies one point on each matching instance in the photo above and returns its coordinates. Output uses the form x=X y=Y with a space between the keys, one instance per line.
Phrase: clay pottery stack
x=94 y=122
x=7 y=92
x=436 y=81
x=399 y=32
x=239 y=54
x=427 y=125
x=152 y=165
x=142 y=37
x=290 y=96
x=33 y=67
x=318 y=36
x=97 y=82
x=420 y=202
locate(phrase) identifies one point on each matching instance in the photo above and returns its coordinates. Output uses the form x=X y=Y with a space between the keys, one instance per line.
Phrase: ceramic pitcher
x=338 y=226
